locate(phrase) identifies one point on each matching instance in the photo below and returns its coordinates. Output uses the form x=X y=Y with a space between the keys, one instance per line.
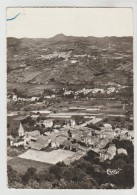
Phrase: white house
x=111 y=151
x=48 y=123
x=107 y=125
x=111 y=90
x=67 y=92
x=47 y=97
x=96 y=90
x=72 y=122
x=23 y=99
x=73 y=61
x=121 y=151
x=108 y=153
x=53 y=96
x=21 y=143
x=15 y=98
x=34 y=99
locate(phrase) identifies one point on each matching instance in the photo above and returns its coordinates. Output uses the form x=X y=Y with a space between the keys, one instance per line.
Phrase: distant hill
x=60 y=61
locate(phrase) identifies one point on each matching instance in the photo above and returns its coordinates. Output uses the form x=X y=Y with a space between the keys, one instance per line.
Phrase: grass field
x=52 y=157
x=21 y=165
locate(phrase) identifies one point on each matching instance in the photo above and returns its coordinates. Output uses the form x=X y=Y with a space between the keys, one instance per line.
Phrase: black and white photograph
x=70 y=116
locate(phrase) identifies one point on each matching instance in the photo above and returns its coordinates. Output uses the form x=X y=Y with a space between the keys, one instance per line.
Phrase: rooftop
x=34 y=133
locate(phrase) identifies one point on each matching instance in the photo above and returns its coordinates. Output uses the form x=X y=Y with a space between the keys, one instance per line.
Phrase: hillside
x=61 y=61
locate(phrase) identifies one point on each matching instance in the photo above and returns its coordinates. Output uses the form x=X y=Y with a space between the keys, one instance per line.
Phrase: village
x=109 y=90
x=67 y=135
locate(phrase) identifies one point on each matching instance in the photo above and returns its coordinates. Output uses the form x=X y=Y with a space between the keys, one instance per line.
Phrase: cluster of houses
x=15 y=98
x=55 y=54
x=65 y=55
x=85 y=91
x=75 y=137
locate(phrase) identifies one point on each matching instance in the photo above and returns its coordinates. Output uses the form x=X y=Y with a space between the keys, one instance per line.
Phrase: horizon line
x=70 y=36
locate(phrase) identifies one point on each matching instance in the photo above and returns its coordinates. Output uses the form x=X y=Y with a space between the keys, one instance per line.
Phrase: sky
x=48 y=22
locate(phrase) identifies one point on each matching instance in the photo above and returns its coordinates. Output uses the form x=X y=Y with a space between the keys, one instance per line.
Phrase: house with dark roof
x=67 y=145
x=31 y=136
x=41 y=143
x=34 y=133
x=59 y=140
x=58 y=123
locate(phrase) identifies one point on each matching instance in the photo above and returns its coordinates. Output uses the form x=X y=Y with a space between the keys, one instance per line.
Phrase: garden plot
x=52 y=157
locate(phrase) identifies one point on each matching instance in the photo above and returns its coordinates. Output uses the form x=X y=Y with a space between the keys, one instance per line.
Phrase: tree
x=105 y=120
x=32 y=122
x=33 y=184
x=14 y=132
x=81 y=95
x=91 y=156
x=29 y=174
x=52 y=80
x=129 y=175
x=28 y=119
x=17 y=185
x=14 y=178
x=41 y=99
x=48 y=92
x=46 y=185
x=118 y=119
x=38 y=119
x=15 y=90
x=57 y=171
x=130 y=127
x=71 y=95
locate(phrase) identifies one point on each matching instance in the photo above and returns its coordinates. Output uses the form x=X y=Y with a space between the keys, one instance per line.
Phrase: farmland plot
x=52 y=157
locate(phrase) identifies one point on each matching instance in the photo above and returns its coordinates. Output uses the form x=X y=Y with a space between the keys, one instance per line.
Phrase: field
x=14 y=152
x=21 y=165
x=52 y=157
